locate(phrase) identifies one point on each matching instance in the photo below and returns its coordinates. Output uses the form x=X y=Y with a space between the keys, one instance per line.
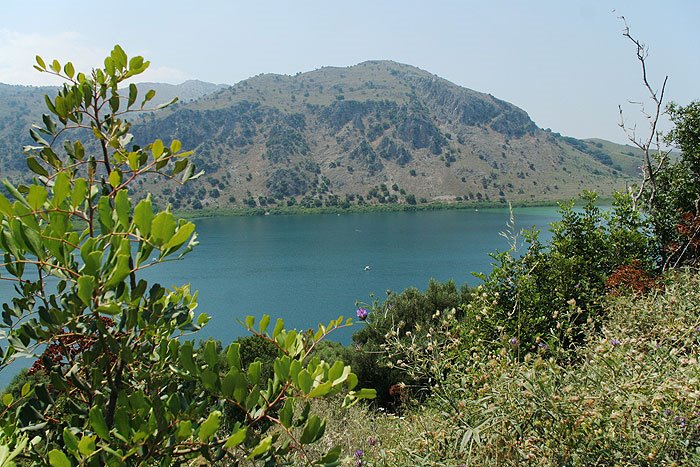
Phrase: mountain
x=185 y=92
x=377 y=132
x=21 y=106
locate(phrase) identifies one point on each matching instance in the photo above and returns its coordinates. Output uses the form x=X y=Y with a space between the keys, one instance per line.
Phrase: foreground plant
x=124 y=387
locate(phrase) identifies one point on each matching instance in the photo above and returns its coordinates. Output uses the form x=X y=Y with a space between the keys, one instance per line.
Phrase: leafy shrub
x=552 y=292
x=408 y=314
x=630 y=398
x=123 y=388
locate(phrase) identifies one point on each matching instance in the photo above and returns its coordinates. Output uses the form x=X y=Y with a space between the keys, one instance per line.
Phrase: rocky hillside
x=377 y=132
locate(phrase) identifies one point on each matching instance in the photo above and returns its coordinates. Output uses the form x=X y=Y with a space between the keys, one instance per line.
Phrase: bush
x=553 y=291
x=407 y=314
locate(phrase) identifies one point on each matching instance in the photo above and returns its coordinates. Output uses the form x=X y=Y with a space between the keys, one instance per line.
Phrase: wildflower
x=681 y=421
x=543 y=347
x=615 y=342
x=359 y=453
x=513 y=341
x=372 y=441
x=362 y=314
x=668 y=412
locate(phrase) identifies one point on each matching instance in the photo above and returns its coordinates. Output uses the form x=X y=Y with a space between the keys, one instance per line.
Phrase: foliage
x=125 y=387
x=552 y=292
x=407 y=314
x=629 y=398
x=674 y=201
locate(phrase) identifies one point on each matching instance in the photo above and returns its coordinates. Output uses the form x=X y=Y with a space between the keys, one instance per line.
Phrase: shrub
x=123 y=387
x=407 y=314
x=552 y=292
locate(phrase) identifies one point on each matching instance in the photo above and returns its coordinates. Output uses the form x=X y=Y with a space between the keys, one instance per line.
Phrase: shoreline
x=366 y=208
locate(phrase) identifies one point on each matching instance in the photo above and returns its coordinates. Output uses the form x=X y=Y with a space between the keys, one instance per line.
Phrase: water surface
x=311 y=269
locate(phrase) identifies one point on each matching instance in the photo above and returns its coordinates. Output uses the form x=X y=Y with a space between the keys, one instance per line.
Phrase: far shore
x=398 y=207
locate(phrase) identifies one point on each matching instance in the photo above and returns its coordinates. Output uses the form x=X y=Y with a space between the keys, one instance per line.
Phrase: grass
x=629 y=396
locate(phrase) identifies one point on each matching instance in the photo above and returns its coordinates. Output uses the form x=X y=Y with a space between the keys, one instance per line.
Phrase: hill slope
x=377 y=132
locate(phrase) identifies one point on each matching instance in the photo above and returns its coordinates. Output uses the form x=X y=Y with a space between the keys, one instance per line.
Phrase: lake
x=311 y=269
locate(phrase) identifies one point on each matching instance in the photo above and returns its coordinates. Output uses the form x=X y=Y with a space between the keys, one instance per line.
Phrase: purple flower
x=372 y=441
x=543 y=347
x=615 y=342
x=362 y=314
x=668 y=412
x=359 y=453
x=681 y=421
x=513 y=341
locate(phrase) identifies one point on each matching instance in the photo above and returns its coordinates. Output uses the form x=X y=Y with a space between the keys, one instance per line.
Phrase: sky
x=565 y=62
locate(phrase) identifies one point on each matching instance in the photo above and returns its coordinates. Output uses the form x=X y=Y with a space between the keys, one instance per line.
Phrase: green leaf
x=7 y=399
x=321 y=390
x=70 y=440
x=210 y=426
x=98 y=423
x=133 y=92
x=115 y=178
x=313 y=430
x=121 y=421
x=157 y=149
x=114 y=104
x=25 y=389
x=182 y=234
x=5 y=206
x=305 y=381
x=286 y=413
x=264 y=322
x=36 y=167
x=122 y=206
x=235 y=385
x=15 y=193
x=335 y=371
x=262 y=447
x=86 y=286
x=279 y=326
x=233 y=356
x=331 y=459
x=254 y=371
x=211 y=356
x=149 y=95
x=105 y=210
x=237 y=437
x=184 y=429
x=119 y=56
x=249 y=321
x=281 y=367
x=162 y=228
x=80 y=189
x=186 y=359
x=56 y=66
x=69 y=69
x=61 y=188
x=58 y=459
x=120 y=271
x=175 y=146
x=136 y=63
x=86 y=446
x=143 y=216
x=40 y=62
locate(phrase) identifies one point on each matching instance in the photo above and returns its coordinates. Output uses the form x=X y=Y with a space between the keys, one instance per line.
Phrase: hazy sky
x=565 y=62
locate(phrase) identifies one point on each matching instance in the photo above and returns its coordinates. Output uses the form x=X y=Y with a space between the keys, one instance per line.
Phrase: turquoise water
x=311 y=269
